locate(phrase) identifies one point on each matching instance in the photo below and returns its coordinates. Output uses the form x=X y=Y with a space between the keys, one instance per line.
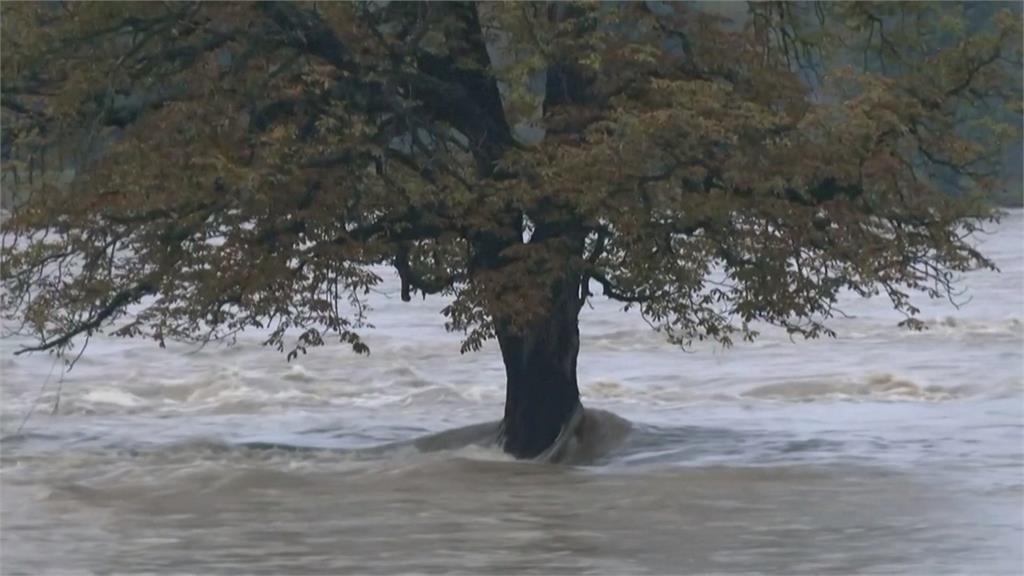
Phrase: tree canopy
x=248 y=165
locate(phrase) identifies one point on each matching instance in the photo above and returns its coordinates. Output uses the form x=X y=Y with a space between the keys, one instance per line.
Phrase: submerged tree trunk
x=541 y=394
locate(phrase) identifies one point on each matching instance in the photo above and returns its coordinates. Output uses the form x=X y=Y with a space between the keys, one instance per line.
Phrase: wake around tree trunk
x=541 y=394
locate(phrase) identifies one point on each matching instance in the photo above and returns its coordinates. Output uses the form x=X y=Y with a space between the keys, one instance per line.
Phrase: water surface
x=881 y=451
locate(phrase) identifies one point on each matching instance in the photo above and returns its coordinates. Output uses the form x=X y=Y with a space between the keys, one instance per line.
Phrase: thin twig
x=38 y=396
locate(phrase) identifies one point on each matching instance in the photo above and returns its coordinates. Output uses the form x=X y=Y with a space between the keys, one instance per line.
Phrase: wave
x=879 y=387
x=599 y=440
x=232 y=391
x=643 y=339
x=592 y=434
x=953 y=328
x=595 y=435
x=220 y=395
x=953 y=325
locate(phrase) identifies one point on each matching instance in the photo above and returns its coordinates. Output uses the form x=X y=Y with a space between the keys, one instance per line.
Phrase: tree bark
x=541 y=393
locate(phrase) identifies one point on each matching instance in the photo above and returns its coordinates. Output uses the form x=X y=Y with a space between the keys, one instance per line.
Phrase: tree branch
x=615 y=293
x=309 y=33
x=411 y=280
x=599 y=247
x=121 y=299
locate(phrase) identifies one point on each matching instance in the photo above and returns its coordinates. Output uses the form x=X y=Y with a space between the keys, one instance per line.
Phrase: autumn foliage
x=247 y=165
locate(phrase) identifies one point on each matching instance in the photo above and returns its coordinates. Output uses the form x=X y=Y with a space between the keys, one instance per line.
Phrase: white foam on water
x=874 y=388
x=298 y=373
x=110 y=396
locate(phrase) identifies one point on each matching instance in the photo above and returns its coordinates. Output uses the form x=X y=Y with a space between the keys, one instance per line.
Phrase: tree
x=245 y=165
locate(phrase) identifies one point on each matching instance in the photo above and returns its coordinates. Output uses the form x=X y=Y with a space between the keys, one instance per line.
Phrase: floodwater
x=881 y=451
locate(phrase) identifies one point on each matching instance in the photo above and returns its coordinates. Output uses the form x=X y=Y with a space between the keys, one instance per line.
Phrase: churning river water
x=880 y=451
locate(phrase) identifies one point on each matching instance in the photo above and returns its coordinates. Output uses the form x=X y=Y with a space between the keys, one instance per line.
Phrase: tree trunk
x=541 y=394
